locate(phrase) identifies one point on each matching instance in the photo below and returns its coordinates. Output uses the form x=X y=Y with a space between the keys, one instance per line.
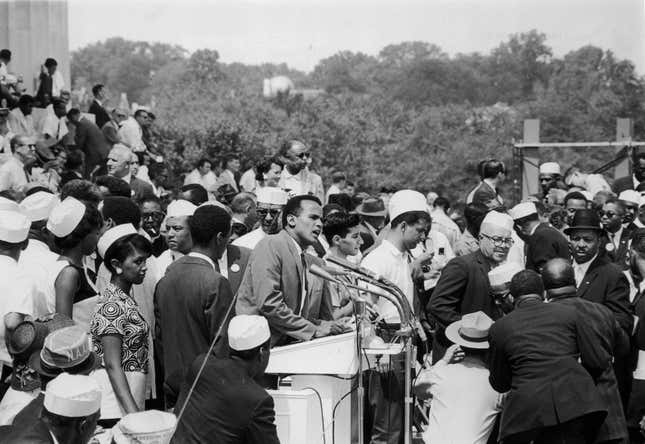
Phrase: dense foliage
x=411 y=116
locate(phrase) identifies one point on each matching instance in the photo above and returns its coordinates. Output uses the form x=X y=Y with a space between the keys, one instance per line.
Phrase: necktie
x=303 y=292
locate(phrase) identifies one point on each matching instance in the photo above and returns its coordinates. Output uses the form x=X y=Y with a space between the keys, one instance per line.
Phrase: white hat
x=150 y=427
x=502 y=275
x=587 y=195
x=471 y=330
x=550 y=168
x=65 y=217
x=39 y=205
x=497 y=219
x=8 y=205
x=272 y=196
x=405 y=201
x=523 y=209
x=631 y=196
x=180 y=208
x=14 y=226
x=247 y=331
x=112 y=235
x=74 y=396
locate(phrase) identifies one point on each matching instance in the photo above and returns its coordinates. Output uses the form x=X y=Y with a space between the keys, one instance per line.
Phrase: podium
x=321 y=367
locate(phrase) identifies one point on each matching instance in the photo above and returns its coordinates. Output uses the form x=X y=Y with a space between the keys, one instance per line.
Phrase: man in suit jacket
x=542 y=241
x=534 y=354
x=277 y=283
x=193 y=300
x=560 y=285
x=601 y=281
x=234 y=266
x=110 y=129
x=631 y=182
x=89 y=139
x=618 y=235
x=228 y=406
x=372 y=212
x=96 y=108
x=486 y=193
x=463 y=286
x=118 y=164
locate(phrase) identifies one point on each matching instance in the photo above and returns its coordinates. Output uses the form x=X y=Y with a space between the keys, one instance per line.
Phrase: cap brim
x=582 y=227
x=452 y=333
x=84 y=368
x=358 y=210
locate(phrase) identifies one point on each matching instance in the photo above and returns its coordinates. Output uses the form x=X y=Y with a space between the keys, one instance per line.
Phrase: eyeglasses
x=262 y=212
x=155 y=215
x=609 y=214
x=499 y=241
x=303 y=155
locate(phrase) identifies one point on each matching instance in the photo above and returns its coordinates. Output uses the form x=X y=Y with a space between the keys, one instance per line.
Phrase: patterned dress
x=118 y=314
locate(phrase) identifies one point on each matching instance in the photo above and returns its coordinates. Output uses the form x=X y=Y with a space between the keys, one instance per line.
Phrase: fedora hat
x=471 y=330
x=371 y=206
x=584 y=220
x=29 y=336
x=65 y=350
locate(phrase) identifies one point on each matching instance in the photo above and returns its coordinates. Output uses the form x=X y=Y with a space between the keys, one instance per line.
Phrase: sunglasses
x=609 y=214
x=303 y=155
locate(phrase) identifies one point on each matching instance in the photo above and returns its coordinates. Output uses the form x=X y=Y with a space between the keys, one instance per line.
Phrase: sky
x=301 y=32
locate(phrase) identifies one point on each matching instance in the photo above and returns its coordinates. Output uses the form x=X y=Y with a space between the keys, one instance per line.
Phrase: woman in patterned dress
x=119 y=331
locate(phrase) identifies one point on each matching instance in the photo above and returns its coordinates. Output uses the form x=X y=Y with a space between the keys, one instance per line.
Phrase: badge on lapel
x=610 y=247
x=235 y=268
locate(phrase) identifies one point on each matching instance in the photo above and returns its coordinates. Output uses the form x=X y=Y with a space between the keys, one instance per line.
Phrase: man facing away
x=228 y=406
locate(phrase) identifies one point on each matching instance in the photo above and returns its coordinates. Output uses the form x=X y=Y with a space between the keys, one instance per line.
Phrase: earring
x=118 y=270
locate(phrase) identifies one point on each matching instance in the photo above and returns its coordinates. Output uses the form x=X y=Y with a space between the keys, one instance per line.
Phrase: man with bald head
x=464 y=286
x=603 y=329
x=118 y=164
x=296 y=178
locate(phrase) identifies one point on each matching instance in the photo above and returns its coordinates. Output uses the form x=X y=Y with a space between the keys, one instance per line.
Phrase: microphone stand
x=409 y=323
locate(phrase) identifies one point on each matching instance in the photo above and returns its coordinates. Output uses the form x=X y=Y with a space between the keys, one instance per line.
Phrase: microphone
x=322 y=273
x=358 y=269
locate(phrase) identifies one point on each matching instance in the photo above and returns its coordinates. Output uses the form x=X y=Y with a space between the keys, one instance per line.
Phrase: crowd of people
x=133 y=310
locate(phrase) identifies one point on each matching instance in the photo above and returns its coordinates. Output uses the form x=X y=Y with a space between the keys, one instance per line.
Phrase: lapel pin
x=235 y=268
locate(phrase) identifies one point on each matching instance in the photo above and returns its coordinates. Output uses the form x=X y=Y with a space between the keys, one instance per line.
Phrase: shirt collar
x=533 y=230
x=585 y=265
x=298 y=247
x=635 y=181
x=489 y=183
x=203 y=256
x=389 y=246
x=7 y=260
x=98 y=101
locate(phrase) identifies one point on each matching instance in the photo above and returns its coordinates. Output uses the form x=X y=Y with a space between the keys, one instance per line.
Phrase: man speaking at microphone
x=410 y=223
x=278 y=285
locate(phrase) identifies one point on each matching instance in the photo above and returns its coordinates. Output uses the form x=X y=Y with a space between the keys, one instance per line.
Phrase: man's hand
x=328 y=328
x=453 y=355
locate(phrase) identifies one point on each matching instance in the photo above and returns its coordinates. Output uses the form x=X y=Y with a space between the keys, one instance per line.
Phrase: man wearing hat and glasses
x=13 y=173
x=228 y=405
x=296 y=179
x=270 y=202
x=463 y=286
x=550 y=177
x=543 y=242
x=372 y=212
x=17 y=289
x=70 y=412
x=546 y=357
x=464 y=405
x=599 y=280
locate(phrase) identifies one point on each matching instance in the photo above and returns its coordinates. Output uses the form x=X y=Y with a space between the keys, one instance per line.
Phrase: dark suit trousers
x=577 y=431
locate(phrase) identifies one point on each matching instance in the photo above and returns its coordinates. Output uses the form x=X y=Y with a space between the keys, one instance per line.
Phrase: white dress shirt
x=132 y=135
x=208 y=180
x=248 y=182
x=580 y=270
x=13 y=175
x=37 y=261
x=251 y=239
x=21 y=124
x=203 y=256
x=394 y=265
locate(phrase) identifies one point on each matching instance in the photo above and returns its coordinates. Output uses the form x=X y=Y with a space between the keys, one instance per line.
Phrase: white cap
x=65 y=217
x=39 y=205
x=550 y=168
x=14 y=226
x=631 y=196
x=247 y=331
x=272 y=196
x=112 y=235
x=180 y=208
x=503 y=274
x=523 y=209
x=497 y=219
x=150 y=427
x=8 y=205
x=587 y=195
x=74 y=396
x=405 y=201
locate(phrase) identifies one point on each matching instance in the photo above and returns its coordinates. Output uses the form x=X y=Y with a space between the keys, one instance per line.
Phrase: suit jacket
x=191 y=302
x=623 y=183
x=226 y=407
x=546 y=243
x=102 y=116
x=110 y=132
x=605 y=284
x=368 y=237
x=484 y=194
x=606 y=331
x=90 y=140
x=533 y=356
x=271 y=287
x=462 y=288
x=620 y=255
x=237 y=258
x=36 y=433
x=140 y=189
